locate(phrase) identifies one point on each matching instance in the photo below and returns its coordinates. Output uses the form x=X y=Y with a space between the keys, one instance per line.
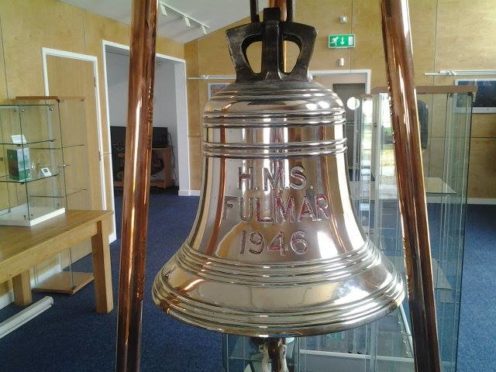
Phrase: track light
x=167 y=10
x=163 y=9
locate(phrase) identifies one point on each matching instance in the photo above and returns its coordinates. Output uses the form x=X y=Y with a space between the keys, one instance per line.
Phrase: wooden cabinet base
x=65 y=282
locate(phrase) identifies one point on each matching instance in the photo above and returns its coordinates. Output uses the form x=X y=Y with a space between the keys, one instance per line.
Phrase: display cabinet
x=71 y=118
x=32 y=187
x=51 y=175
x=445 y=114
x=386 y=345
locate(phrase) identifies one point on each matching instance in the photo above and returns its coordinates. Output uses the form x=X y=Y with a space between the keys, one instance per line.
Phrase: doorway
x=170 y=109
x=68 y=74
x=68 y=77
x=350 y=86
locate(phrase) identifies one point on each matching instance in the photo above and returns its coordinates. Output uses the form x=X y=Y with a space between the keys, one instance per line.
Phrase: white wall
x=165 y=110
x=164 y=104
x=117 y=80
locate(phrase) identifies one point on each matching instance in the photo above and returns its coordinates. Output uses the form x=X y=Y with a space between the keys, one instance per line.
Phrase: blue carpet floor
x=477 y=342
x=72 y=337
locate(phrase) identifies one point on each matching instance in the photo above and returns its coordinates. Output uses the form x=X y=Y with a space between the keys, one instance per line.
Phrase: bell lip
x=300 y=330
x=296 y=323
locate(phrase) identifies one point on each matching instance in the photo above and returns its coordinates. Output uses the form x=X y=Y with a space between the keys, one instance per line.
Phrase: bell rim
x=299 y=323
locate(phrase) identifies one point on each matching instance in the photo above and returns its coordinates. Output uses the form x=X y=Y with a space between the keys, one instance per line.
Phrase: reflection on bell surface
x=276 y=248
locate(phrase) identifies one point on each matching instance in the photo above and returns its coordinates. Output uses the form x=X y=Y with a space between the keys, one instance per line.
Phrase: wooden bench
x=21 y=248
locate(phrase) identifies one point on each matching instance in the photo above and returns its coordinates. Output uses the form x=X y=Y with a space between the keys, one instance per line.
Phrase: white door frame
x=45 y=52
x=181 y=110
x=350 y=76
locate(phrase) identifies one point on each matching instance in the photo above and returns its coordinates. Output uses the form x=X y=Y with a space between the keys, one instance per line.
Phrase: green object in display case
x=19 y=164
x=386 y=345
x=32 y=187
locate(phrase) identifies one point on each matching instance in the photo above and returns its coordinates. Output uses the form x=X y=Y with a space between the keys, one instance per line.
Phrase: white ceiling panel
x=215 y=14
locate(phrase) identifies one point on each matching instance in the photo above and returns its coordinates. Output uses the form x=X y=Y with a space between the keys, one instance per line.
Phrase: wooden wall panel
x=28 y=26
x=325 y=18
x=195 y=161
x=423 y=15
x=193 y=86
x=484 y=125
x=3 y=79
x=482 y=168
x=195 y=109
x=465 y=33
x=369 y=52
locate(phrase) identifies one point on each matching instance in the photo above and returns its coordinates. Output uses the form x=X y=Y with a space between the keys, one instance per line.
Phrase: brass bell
x=276 y=248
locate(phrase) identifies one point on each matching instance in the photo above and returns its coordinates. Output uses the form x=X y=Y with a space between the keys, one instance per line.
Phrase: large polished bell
x=276 y=248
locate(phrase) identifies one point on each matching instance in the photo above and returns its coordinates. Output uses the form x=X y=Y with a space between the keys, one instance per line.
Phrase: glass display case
x=32 y=187
x=44 y=171
x=57 y=275
x=445 y=114
x=386 y=345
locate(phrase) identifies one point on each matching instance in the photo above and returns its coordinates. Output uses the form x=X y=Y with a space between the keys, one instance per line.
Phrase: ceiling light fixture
x=163 y=9
x=167 y=10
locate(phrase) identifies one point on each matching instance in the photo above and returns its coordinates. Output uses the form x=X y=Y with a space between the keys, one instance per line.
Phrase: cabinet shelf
x=68 y=193
x=7 y=179
x=73 y=145
x=29 y=143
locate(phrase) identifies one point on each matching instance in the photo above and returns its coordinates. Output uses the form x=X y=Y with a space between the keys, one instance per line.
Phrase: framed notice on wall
x=213 y=88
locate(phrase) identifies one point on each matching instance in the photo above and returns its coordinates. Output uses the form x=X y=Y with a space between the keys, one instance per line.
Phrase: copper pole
x=136 y=184
x=411 y=189
x=281 y=4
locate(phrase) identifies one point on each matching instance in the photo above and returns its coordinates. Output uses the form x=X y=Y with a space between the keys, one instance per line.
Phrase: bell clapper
x=274 y=350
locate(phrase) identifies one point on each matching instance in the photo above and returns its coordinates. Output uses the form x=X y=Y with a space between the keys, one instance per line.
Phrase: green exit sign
x=341 y=41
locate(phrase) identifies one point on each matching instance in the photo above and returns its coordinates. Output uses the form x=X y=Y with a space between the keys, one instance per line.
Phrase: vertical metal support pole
x=283 y=6
x=254 y=11
x=411 y=188
x=136 y=184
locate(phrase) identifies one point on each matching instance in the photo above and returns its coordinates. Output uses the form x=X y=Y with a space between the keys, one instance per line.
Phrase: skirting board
x=188 y=193
x=25 y=315
x=487 y=201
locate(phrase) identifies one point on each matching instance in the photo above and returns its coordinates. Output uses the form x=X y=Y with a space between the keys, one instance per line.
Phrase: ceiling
x=215 y=14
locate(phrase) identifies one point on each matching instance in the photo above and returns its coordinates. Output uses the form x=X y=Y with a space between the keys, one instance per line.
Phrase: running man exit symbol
x=341 y=41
